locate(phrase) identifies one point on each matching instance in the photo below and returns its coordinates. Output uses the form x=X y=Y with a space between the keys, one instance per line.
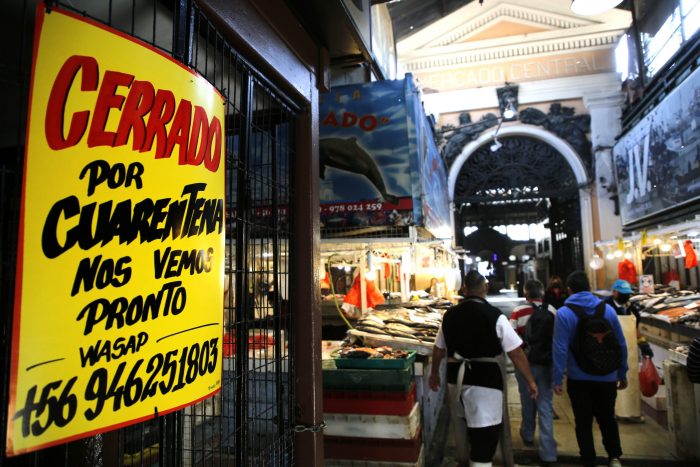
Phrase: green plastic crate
x=368 y=379
x=377 y=363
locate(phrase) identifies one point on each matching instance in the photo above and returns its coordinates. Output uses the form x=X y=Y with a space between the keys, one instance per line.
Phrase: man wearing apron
x=472 y=335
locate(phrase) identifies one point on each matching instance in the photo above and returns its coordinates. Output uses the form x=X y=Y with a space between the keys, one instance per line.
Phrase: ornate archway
x=520 y=170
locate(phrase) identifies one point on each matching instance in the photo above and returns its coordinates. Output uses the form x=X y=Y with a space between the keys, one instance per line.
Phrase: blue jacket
x=564 y=331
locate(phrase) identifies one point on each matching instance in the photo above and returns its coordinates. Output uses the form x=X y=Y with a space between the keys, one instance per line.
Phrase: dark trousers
x=483 y=442
x=594 y=399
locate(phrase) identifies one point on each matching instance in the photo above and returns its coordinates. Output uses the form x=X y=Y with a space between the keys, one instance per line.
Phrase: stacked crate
x=371 y=413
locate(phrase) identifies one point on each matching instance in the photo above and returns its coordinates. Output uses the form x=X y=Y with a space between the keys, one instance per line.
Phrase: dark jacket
x=469 y=328
x=565 y=325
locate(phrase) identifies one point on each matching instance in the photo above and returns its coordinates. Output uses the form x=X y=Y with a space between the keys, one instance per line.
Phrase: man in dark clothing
x=620 y=297
x=591 y=395
x=538 y=337
x=472 y=335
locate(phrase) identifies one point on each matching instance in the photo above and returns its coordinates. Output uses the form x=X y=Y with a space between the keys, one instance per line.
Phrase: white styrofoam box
x=660 y=354
x=658 y=400
x=373 y=426
x=420 y=368
x=678 y=357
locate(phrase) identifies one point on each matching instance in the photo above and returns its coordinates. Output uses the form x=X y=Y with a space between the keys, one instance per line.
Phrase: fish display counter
x=400 y=327
x=667 y=318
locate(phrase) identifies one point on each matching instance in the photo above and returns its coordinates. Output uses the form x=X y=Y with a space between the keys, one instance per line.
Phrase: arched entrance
x=533 y=164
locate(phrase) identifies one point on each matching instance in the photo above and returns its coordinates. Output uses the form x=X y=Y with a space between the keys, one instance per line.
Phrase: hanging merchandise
x=627 y=271
x=325 y=282
x=374 y=296
x=648 y=378
x=691 y=259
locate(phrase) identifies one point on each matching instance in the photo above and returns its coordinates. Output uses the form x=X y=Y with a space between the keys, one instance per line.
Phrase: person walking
x=589 y=345
x=534 y=323
x=472 y=335
x=619 y=300
x=555 y=294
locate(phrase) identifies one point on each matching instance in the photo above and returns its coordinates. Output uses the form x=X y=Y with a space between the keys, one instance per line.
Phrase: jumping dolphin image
x=346 y=154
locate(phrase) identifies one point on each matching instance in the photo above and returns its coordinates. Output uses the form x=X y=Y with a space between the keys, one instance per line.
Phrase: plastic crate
x=368 y=380
x=373 y=426
x=370 y=402
x=377 y=363
x=371 y=449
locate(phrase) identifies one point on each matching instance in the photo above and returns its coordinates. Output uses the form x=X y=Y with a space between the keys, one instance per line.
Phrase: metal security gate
x=251 y=421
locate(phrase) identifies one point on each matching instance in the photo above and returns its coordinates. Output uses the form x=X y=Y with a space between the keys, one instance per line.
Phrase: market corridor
x=646 y=443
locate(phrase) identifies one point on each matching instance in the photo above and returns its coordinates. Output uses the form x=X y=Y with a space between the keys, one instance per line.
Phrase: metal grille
x=522 y=168
x=251 y=421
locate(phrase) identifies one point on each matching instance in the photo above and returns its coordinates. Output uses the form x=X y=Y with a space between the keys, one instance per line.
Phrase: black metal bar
x=180 y=21
x=242 y=304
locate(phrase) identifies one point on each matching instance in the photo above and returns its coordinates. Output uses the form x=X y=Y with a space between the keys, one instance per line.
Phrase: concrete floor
x=644 y=444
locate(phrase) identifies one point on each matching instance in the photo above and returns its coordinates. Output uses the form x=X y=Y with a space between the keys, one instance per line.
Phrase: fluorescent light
x=593 y=7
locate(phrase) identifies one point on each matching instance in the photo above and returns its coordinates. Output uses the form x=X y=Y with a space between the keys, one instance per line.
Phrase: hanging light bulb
x=610 y=256
x=656 y=241
x=510 y=111
x=618 y=253
x=665 y=247
x=628 y=255
x=596 y=262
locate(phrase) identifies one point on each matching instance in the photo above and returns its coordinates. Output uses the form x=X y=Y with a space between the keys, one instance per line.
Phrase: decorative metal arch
x=523 y=168
x=560 y=120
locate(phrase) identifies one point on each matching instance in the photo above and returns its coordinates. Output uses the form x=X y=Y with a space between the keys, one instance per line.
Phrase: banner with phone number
x=119 y=297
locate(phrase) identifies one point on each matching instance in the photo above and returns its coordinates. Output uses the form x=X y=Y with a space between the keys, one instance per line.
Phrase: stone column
x=605 y=109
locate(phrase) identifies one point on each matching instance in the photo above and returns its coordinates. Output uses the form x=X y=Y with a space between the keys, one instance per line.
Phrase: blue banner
x=378 y=162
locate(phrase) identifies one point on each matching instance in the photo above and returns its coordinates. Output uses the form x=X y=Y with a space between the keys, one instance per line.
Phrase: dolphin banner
x=373 y=151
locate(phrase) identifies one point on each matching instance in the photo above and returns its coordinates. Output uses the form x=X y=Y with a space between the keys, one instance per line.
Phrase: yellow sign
x=119 y=299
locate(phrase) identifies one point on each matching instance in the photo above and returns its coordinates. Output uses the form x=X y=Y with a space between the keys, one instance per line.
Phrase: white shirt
x=505 y=332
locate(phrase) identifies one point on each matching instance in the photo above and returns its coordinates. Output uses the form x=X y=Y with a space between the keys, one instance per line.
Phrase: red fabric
x=374 y=296
x=627 y=271
x=691 y=259
x=325 y=282
x=387 y=271
x=671 y=275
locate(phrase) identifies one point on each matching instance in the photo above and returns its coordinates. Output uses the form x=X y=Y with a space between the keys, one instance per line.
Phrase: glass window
x=691 y=17
x=622 y=56
x=659 y=32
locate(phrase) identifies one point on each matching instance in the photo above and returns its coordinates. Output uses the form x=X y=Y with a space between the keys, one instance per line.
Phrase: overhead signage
x=119 y=297
x=517 y=71
x=366 y=176
x=657 y=163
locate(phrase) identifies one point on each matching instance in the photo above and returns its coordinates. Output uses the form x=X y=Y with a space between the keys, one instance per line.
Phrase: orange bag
x=648 y=378
x=691 y=259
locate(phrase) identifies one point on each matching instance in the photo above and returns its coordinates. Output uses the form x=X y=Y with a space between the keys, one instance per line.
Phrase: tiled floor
x=646 y=444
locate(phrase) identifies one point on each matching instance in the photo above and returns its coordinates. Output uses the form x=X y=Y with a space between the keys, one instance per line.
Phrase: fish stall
x=388 y=272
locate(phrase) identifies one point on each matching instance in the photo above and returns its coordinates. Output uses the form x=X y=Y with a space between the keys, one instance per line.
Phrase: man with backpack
x=589 y=345
x=534 y=323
